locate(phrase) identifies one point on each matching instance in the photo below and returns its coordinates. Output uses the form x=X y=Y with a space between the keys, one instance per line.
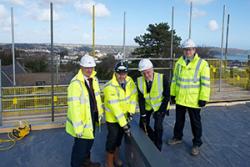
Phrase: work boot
x=195 y=150
x=89 y=163
x=117 y=161
x=109 y=160
x=174 y=141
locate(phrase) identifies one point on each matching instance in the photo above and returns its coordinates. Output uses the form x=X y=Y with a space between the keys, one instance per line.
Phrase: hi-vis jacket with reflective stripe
x=79 y=121
x=153 y=99
x=191 y=82
x=117 y=102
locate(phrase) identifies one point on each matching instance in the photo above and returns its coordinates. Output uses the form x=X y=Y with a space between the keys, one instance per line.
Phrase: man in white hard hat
x=84 y=111
x=190 y=90
x=153 y=95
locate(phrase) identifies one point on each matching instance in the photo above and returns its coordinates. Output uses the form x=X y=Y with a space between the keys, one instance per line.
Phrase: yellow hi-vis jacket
x=154 y=98
x=191 y=83
x=79 y=121
x=117 y=102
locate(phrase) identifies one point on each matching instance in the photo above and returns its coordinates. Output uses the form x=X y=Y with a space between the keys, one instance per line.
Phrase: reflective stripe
x=120 y=116
x=159 y=84
x=107 y=109
x=153 y=98
x=132 y=102
x=156 y=105
x=206 y=85
x=88 y=125
x=120 y=100
x=134 y=91
x=188 y=86
x=73 y=99
x=197 y=70
x=178 y=68
x=75 y=124
x=82 y=101
x=205 y=78
x=141 y=85
x=185 y=80
x=97 y=93
x=113 y=101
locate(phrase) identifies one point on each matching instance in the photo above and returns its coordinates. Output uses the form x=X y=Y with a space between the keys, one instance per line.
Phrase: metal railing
x=38 y=99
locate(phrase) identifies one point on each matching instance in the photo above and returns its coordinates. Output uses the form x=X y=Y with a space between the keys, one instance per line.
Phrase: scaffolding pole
x=172 y=46
x=124 y=35
x=93 y=30
x=1 y=111
x=222 y=40
x=13 y=48
x=190 y=20
x=52 y=62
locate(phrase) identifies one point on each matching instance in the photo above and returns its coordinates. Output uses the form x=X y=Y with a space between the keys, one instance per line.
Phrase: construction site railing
x=37 y=99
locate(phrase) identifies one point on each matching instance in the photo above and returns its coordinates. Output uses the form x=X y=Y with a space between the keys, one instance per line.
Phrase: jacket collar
x=115 y=82
x=183 y=62
x=80 y=75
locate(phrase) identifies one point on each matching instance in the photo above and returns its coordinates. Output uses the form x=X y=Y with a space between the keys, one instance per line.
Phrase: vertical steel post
x=1 y=116
x=93 y=30
x=190 y=20
x=226 y=50
x=222 y=40
x=124 y=35
x=13 y=48
x=52 y=62
x=171 y=47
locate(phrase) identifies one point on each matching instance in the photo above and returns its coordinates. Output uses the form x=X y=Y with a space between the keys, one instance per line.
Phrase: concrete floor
x=226 y=136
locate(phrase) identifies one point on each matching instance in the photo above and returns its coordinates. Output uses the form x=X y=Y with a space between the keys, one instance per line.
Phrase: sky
x=73 y=20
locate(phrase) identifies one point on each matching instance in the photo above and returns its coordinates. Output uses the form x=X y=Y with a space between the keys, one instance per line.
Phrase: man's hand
x=129 y=117
x=202 y=103
x=79 y=135
x=127 y=131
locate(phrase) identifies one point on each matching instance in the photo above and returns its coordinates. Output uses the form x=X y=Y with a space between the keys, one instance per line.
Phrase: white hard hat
x=87 y=61
x=145 y=64
x=189 y=43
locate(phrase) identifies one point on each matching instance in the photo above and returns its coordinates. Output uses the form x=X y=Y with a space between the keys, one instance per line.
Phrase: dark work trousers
x=156 y=134
x=80 y=151
x=114 y=137
x=195 y=119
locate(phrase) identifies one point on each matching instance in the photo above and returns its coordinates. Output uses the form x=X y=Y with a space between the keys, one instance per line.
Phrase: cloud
x=17 y=2
x=45 y=15
x=56 y=1
x=41 y=14
x=213 y=25
x=4 y=19
x=3 y=11
x=198 y=13
x=199 y=2
x=86 y=6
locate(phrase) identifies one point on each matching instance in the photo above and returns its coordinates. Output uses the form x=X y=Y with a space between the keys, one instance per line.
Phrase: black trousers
x=195 y=119
x=156 y=134
x=114 y=137
x=80 y=151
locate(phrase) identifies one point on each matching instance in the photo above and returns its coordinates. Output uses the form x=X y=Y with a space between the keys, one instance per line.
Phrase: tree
x=157 y=42
x=38 y=64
